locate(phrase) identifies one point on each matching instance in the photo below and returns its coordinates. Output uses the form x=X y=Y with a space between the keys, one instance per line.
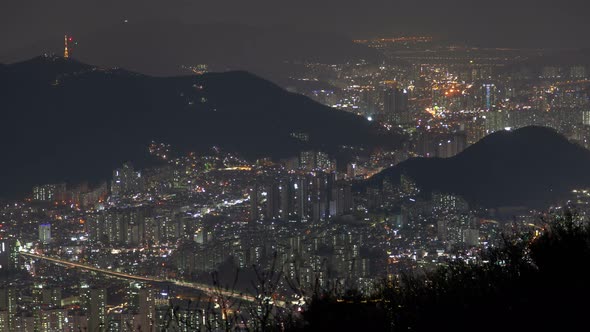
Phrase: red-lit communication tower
x=66 y=52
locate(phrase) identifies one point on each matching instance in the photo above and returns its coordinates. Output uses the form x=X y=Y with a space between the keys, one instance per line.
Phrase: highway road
x=207 y=289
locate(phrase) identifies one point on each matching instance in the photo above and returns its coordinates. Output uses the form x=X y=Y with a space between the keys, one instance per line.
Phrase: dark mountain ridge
x=65 y=120
x=531 y=166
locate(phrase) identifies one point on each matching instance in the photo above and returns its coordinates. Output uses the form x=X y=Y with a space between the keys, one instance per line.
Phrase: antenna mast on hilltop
x=66 y=53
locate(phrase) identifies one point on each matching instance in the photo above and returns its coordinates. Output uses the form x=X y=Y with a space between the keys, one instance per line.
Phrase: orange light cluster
x=453 y=92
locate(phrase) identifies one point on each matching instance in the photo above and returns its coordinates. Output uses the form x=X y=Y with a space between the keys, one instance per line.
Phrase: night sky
x=510 y=23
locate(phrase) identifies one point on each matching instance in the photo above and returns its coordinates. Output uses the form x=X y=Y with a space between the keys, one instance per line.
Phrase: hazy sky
x=537 y=23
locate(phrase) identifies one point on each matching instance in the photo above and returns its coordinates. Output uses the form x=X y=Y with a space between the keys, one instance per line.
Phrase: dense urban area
x=157 y=248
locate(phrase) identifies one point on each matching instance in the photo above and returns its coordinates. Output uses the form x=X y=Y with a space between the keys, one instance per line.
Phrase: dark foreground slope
x=64 y=120
x=530 y=284
x=531 y=166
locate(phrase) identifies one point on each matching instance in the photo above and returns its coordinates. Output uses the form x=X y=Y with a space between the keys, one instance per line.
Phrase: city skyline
x=263 y=166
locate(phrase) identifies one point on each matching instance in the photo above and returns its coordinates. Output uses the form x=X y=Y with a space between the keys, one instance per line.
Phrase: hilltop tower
x=66 y=52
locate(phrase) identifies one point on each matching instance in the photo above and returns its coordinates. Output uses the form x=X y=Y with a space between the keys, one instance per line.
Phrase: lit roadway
x=199 y=286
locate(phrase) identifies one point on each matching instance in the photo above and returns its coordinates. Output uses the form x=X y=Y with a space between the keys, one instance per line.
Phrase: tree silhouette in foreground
x=532 y=284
